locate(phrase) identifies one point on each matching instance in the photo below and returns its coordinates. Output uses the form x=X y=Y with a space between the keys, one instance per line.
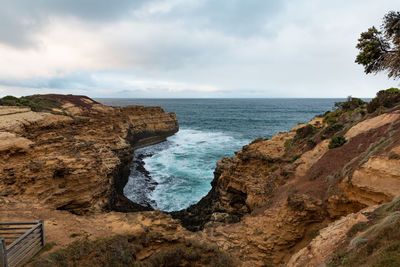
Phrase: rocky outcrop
x=369 y=237
x=327 y=241
x=76 y=158
x=274 y=196
x=289 y=200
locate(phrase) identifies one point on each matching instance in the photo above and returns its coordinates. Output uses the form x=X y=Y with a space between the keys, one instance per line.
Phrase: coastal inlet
x=175 y=174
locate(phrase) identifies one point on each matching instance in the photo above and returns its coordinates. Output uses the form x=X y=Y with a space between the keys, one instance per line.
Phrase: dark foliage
x=384 y=98
x=35 y=102
x=333 y=128
x=351 y=104
x=305 y=131
x=380 y=50
x=337 y=141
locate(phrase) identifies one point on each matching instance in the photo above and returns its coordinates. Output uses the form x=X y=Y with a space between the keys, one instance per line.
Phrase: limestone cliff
x=76 y=155
x=292 y=200
x=282 y=191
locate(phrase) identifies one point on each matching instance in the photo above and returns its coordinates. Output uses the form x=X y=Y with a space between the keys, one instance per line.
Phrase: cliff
x=313 y=195
x=75 y=154
x=275 y=195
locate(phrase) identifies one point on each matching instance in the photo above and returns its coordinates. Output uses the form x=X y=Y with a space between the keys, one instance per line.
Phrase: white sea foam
x=183 y=166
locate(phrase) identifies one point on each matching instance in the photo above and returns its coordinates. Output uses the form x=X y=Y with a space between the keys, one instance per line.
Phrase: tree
x=380 y=50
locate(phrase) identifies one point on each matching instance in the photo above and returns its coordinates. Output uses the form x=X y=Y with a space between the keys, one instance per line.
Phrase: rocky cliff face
x=291 y=200
x=281 y=192
x=77 y=155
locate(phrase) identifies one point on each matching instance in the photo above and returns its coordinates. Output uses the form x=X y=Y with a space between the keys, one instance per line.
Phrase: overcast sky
x=188 y=48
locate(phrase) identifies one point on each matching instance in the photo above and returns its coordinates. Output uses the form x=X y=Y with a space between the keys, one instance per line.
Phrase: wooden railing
x=19 y=241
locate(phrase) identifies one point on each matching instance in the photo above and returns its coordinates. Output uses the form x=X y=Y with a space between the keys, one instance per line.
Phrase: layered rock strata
x=282 y=191
x=289 y=200
x=76 y=158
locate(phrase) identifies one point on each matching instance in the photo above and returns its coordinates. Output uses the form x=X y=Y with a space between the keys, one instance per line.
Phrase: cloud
x=231 y=17
x=188 y=48
x=22 y=19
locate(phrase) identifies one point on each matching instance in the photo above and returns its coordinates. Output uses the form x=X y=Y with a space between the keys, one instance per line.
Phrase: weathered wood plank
x=23 y=236
x=13 y=233
x=25 y=244
x=29 y=255
x=19 y=257
x=16 y=248
x=18 y=223
x=3 y=253
x=15 y=228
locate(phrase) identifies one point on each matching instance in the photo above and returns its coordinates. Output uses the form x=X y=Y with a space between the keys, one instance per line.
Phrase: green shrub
x=305 y=131
x=333 y=128
x=288 y=143
x=384 y=99
x=332 y=117
x=295 y=157
x=35 y=102
x=351 y=104
x=337 y=141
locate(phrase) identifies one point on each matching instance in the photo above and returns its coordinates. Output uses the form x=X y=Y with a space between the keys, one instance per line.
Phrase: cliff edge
x=320 y=194
x=72 y=153
x=276 y=195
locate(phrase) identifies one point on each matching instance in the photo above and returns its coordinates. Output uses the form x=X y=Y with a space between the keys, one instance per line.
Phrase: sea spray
x=181 y=168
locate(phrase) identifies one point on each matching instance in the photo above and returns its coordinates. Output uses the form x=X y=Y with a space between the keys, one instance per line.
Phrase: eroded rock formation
x=290 y=200
x=76 y=158
x=287 y=188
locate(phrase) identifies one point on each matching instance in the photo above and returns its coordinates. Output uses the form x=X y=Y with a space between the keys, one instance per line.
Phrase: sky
x=188 y=48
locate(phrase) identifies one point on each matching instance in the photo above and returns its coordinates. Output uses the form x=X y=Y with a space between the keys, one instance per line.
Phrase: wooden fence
x=19 y=241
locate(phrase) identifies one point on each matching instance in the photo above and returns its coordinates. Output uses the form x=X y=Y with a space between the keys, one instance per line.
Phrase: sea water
x=178 y=171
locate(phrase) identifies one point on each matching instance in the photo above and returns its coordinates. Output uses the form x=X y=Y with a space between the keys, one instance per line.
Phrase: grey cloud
x=77 y=80
x=275 y=48
x=244 y=18
x=22 y=18
x=232 y=17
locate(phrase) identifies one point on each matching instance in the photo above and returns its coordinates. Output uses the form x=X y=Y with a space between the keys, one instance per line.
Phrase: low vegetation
x=123 y=251
x=305 y=131
x=35 y=102
x=337 y=141
x=351 y=104
x=372 y=243
x=333 y=128
x=380 y=49
x=384 y=99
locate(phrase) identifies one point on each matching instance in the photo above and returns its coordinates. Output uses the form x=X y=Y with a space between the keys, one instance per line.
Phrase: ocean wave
x=182 y=168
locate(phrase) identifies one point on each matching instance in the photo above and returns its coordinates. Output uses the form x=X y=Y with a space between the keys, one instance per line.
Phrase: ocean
x=178 y=171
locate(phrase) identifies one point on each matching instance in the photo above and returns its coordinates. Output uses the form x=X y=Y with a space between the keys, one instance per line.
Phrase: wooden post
x=3 y=253
x=42 y=235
